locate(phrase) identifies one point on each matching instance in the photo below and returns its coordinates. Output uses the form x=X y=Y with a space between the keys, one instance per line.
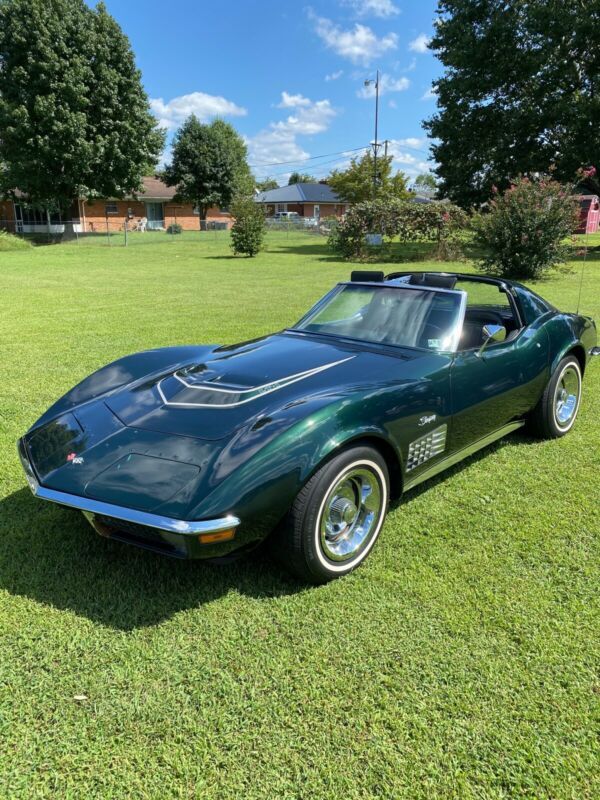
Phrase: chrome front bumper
x=130 y=516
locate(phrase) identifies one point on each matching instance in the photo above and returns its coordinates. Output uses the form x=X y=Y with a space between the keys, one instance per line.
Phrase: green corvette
x=305 y=435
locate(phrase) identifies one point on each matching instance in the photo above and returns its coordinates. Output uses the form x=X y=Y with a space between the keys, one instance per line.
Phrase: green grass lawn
x=460 y=661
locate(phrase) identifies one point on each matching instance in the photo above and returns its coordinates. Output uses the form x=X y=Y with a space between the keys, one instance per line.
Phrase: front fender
x=261 y=489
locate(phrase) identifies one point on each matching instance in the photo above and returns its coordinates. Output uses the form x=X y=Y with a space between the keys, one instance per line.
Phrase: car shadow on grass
x=52 y=555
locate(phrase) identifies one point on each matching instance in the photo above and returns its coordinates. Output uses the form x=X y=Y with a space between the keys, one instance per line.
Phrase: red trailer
x=589 y=213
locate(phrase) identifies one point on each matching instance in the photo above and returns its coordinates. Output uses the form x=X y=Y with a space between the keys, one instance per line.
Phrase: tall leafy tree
x=355 y=184
x=244 y=180
x=74 y=118
x=519 y=93
x=204 y=167
x=300 y=177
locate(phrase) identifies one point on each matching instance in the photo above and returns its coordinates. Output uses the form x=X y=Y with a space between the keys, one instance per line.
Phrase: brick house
x=154 y=203
x=307 y=199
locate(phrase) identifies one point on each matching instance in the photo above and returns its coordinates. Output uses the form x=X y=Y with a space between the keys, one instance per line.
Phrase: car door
x=498 y=385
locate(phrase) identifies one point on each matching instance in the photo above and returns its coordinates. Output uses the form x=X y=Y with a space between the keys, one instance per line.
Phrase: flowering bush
x=524 y=233
x=399 y=219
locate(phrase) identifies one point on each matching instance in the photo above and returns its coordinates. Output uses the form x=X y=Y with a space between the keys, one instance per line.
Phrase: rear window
x=532 y=305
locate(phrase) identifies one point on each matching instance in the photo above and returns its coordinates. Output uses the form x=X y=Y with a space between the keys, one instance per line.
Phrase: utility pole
x=370 y=82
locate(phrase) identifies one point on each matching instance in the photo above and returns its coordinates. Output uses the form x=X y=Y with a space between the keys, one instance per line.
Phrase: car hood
x=170 y=436
x=232 y=386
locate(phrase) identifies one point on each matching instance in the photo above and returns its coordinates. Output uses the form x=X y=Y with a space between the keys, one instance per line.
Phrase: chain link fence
x=119 y=232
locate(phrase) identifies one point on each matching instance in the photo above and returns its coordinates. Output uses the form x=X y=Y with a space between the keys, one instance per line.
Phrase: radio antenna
x=585 y=252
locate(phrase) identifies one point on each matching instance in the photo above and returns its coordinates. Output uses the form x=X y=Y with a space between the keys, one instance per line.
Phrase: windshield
x=397 y=316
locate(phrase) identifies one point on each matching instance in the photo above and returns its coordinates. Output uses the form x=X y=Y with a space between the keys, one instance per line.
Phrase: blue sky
x=290 y=77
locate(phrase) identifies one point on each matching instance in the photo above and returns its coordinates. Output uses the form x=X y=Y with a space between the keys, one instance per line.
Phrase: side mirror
x=492 y=333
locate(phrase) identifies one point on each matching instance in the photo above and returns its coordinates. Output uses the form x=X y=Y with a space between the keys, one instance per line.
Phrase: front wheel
x=337 y=516
x=556 y=412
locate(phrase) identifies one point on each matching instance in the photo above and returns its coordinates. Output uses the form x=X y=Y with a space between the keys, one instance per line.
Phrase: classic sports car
x=306 y=434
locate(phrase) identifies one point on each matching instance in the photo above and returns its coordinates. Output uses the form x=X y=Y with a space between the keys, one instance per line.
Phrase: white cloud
x=379 y=8
x=412 y=142
x=430 y=94
x=308 y=119
x=293 y=100
x=205 y=106
x=271 y=146
x=420 y=44
x=386 y=84
x=359 y=45
x=278 y=142
x=411 y=163
x=392 y=104
x=333 y=76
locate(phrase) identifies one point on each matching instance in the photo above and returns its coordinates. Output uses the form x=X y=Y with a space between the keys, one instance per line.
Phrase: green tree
x=300 y=177
x=74 y=118
x=244 y=180
x=519 y=93
x=426 y=184
x=355 y=184
x=267 y=184
x=204 y=167
x=248 y=231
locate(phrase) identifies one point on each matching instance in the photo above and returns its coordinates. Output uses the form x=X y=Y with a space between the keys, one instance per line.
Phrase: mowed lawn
x=460 y=661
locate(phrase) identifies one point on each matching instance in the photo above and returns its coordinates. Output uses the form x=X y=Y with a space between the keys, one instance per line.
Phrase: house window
x=111 y=208
x=31 y=215
x=196 y=210
x=281 y=207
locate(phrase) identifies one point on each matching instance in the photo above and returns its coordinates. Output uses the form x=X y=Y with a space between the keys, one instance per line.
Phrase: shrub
x=523 y=234
x=441 y=223
x=174 y=228
x=10 y=242
x=248 y=230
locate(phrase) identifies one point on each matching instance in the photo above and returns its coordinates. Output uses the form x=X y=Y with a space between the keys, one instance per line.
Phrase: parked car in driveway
x=287 y=216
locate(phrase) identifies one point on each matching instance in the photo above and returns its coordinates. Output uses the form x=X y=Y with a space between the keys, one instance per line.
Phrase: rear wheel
x=336 y=517
x=556 y=412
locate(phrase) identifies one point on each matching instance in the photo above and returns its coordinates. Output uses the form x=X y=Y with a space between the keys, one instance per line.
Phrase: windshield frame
x=456 y=334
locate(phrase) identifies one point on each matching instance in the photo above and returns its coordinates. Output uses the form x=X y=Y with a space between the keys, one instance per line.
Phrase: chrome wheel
x=351 y=513
x=566 y=396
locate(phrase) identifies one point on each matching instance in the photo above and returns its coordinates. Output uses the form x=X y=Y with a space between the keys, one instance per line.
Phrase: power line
x=301 y=160
x=339 y=152
x=317 y=166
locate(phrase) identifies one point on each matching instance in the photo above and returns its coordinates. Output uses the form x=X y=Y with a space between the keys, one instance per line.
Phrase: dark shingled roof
x=299 y=193
x=156 y=189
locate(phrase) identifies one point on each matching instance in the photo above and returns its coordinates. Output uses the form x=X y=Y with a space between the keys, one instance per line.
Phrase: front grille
x=140 y=535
